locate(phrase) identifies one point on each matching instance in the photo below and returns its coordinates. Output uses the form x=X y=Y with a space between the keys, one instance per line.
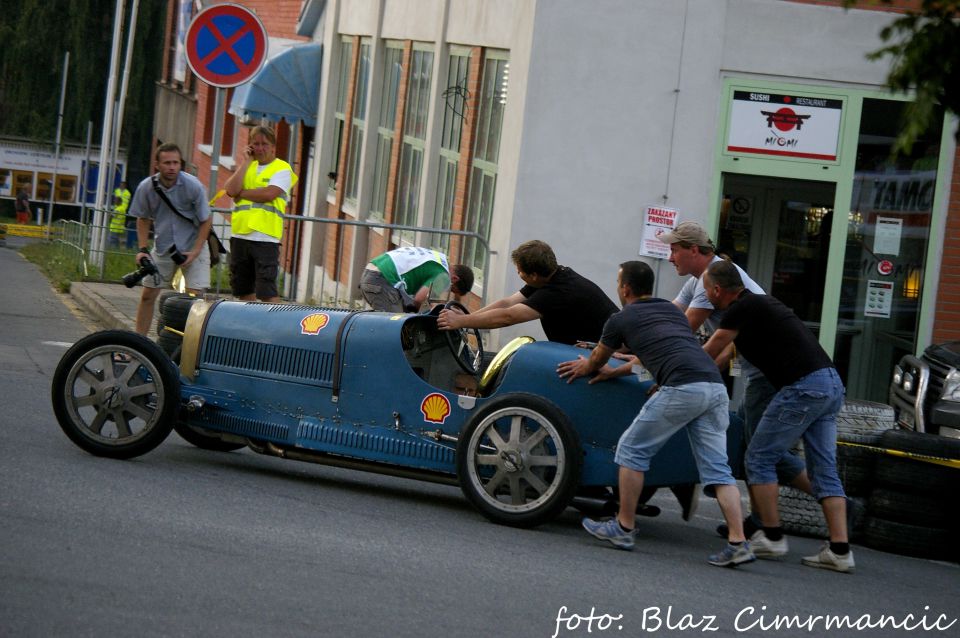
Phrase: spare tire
x=864 y=421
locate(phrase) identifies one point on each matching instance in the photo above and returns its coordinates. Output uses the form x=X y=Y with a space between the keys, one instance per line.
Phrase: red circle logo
x=885 y=267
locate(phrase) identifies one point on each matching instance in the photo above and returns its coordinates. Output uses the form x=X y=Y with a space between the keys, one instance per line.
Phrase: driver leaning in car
x=400 y=280
x=570 y=307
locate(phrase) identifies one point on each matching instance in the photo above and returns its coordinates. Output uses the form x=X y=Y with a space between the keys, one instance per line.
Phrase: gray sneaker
x=610 y=531
x=763 y=547
x=826 y=559
x=732 y=555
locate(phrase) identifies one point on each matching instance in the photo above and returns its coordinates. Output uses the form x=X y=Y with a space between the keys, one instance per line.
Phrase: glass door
x=886 y=245
x=778 y=230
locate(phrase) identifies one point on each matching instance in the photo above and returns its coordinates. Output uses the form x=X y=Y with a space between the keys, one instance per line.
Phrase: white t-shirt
x=693 y=295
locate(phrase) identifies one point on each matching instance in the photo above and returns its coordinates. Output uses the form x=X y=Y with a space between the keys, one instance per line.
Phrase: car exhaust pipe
x=270 y=449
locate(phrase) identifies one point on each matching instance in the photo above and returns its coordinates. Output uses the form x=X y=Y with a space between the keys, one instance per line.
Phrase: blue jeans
x=702 y=408
x=756 y=397
x=808 y=410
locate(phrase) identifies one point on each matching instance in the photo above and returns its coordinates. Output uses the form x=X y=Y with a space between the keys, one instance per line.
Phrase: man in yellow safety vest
x=260 y=189
x=118 y=219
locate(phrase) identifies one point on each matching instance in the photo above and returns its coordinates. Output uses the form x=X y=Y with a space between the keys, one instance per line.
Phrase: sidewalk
x=113 y=306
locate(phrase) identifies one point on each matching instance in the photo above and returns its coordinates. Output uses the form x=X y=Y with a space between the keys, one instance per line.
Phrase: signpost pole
x=216 y=142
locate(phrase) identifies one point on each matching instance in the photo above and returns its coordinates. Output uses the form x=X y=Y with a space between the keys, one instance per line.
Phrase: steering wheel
x=459 y=343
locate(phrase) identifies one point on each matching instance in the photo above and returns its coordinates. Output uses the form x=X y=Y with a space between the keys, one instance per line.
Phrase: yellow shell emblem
x=435 y=408
x=313 y=324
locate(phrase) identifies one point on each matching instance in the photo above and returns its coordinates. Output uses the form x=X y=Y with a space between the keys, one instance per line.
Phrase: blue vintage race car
x=388 y=393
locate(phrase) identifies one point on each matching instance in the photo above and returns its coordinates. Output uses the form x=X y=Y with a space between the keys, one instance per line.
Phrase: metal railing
x=77 y=237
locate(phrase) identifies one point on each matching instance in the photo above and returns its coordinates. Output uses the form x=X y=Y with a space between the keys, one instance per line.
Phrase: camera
x=147 y=267
x=177 y=256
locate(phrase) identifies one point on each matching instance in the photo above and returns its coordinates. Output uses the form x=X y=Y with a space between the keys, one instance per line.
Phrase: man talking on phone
x=260 y=189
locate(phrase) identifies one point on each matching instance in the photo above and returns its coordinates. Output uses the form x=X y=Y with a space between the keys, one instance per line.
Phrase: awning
x=287 y=87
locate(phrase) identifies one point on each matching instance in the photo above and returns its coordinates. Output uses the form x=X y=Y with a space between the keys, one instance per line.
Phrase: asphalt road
x=183 y=542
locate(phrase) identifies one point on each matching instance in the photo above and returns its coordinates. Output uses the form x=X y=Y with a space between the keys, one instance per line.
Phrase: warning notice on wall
x=656 y=221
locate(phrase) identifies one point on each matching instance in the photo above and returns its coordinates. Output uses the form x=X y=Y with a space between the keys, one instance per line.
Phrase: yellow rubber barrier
x=30 y=230
x=936 y=460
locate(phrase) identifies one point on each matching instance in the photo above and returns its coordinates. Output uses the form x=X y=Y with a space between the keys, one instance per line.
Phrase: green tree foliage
x=924 y=44
x=36 y=34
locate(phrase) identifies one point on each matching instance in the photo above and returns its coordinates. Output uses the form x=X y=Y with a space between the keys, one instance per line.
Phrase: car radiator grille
x=268 y=360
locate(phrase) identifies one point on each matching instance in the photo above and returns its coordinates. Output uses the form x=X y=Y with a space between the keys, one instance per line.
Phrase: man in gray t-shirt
x=180 y=240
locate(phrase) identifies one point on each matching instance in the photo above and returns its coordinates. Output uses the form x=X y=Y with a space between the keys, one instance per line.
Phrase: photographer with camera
x=174 y=203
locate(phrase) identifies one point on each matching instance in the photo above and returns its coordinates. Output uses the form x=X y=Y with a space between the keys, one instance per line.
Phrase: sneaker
x=826 y=559
x=732 y=555
x=750 y=527
x=610 y=530
x=763 y=547
x=688 y=496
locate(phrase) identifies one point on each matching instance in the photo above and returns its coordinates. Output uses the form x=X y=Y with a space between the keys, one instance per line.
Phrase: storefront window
x=884 y=261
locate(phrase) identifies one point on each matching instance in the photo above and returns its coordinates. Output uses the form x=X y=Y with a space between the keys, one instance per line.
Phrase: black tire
x=174 y=310
x=205 y=441
x=918 y=477
x=920 y=443
x=115 y=394
x=507 y=487
x=924 y=510
x=864 y=421
x=801 y=514
x=911 y=540
x=855 y=465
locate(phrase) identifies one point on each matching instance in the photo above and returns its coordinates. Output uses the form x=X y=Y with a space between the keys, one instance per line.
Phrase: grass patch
x=62 y=265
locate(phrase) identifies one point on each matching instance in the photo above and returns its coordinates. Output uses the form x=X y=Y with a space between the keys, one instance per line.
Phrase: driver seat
x=490 y=375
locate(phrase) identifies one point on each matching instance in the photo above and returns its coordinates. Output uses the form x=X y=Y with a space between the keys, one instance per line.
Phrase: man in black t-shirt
x=570 y=307
x=809 y=395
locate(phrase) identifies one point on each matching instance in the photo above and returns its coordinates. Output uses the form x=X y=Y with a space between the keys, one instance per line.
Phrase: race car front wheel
x=519 y=460
x=115 y=394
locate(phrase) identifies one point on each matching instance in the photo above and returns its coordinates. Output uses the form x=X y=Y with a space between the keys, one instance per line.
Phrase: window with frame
x=358 y=122
x=414 y=139
x=454 y=103
x=339 y=116
x=486 y=152
x=390 y=86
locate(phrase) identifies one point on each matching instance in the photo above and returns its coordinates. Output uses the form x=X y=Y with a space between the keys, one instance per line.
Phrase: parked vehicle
x=925 y=392
x=387 y=393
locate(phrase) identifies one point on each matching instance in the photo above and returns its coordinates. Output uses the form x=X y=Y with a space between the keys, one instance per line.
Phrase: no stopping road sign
x=226 y=45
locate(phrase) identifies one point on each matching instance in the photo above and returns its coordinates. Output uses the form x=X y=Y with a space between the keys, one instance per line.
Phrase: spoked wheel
x=469 y=358
x=115 y=394
x=518 y=460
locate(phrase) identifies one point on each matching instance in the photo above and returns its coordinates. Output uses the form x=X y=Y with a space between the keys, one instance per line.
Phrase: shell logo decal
x=435 y=408
x=313 y=324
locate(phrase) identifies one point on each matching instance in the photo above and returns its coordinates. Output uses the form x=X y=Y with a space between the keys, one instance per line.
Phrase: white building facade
x=565 y=120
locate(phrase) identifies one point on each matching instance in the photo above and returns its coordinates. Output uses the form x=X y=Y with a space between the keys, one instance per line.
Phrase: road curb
x=99 y=307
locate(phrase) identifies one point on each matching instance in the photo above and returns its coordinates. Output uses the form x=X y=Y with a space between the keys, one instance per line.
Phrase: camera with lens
x=177 y=256
x=147 y=267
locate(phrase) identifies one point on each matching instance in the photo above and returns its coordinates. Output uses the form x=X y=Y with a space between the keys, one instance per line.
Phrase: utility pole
x=56 y=152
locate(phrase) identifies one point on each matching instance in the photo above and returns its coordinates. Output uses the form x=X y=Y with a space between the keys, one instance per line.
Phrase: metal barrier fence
x=116 y=252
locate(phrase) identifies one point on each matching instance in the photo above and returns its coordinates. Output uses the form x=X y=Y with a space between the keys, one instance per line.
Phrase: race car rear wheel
x=519 y=460
x=115 y=394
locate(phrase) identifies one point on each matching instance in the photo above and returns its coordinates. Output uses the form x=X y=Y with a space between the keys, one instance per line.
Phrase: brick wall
x=946 y=318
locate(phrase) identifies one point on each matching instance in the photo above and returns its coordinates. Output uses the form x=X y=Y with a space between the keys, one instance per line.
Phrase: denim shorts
x=756 y=397
x=808 y=410
x=701 y=407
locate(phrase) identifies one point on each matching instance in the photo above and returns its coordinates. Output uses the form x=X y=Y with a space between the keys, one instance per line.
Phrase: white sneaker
x=763 y=547
x=826 y=559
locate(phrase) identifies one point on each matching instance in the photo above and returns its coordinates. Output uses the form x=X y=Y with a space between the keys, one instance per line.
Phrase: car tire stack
x=913 y=508
x=174 y=309
x=858 y=423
